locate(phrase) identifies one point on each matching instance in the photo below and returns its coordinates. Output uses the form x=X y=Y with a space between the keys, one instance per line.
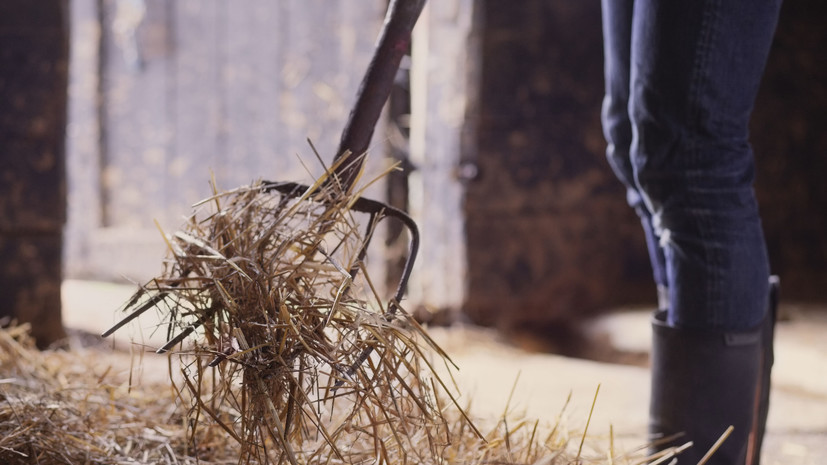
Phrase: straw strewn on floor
x=75 y=407
x=63 y=407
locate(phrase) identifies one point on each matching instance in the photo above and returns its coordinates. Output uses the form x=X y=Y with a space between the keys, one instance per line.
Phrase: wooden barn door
x=164 y=92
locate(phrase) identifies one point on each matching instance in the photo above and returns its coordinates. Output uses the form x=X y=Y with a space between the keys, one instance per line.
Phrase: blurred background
x=494 y=119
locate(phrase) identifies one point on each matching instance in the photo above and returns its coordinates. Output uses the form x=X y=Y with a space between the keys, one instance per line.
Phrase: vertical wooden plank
x=197 y=107
x=251 y=79
x=83 y=168
x=135 y=136
x=135 y=113
x=329 y=98
x=440 y=81
x=303 y=31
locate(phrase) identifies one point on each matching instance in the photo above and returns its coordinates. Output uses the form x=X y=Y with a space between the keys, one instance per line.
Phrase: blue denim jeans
x=681 y=80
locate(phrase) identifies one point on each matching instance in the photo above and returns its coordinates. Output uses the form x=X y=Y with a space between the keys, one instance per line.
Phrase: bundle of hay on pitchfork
x=286 y=334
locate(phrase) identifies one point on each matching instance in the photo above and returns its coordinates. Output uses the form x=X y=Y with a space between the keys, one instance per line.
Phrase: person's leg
x=695 y=69
x=617 y=127
x=695 y=73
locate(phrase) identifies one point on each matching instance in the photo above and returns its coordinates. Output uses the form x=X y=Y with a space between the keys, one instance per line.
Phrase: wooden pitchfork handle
x=393 y=43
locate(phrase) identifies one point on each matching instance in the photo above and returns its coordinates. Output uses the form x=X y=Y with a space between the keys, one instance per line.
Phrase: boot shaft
x=703 y=382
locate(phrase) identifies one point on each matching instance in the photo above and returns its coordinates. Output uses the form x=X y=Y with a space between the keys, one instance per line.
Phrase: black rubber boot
x=703 y=382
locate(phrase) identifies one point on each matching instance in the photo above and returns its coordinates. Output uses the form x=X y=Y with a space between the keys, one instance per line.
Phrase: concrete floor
x=490 y=368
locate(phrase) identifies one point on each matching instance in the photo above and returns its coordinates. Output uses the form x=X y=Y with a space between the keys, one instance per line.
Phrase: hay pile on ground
x=77 y=407
x=67 y=408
